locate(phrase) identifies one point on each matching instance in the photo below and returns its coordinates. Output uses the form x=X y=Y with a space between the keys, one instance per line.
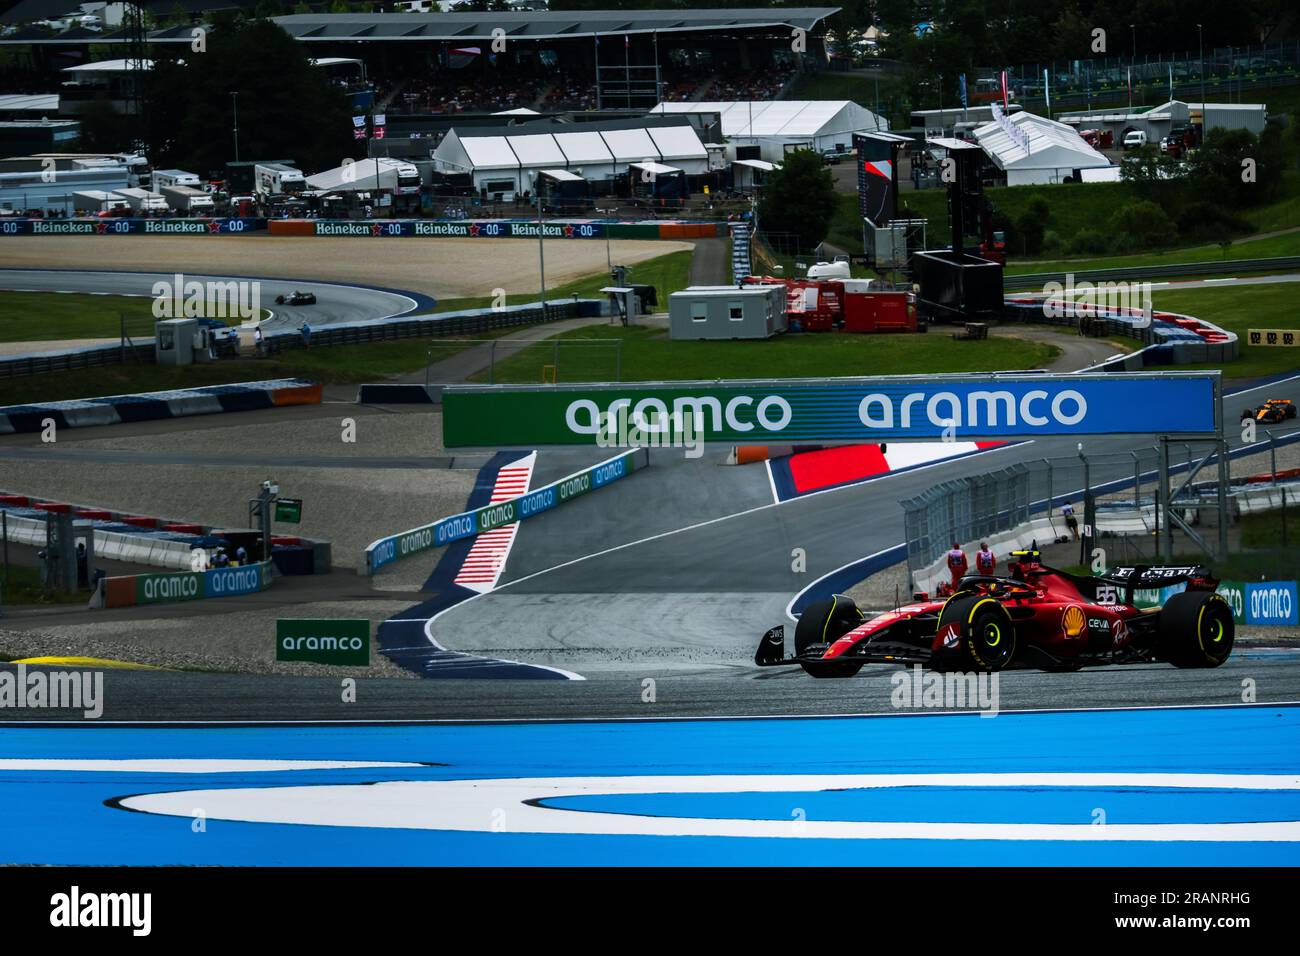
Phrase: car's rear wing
x=1140 y=576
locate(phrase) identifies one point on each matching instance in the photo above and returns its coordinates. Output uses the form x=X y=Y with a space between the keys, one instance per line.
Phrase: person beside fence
x=1071 y=522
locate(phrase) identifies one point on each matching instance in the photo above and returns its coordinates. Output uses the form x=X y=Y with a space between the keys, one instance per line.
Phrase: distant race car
x=1273 y=410
x=1037 y=617
x=296 y=298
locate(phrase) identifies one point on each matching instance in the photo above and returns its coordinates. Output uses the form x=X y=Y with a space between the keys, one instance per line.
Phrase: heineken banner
x=168 y=588
x=469 y=523
x=129 y=227
x=831 y=410
x=473 y=230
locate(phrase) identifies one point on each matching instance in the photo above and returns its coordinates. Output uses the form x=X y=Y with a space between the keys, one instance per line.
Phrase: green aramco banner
x=841 y=410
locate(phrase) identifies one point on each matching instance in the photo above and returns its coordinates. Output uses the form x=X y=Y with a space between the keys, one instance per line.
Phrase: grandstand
x=557 y=61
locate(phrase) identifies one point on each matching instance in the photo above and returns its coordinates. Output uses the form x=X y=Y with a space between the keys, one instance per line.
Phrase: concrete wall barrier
x=136 y=589
x=468 y=524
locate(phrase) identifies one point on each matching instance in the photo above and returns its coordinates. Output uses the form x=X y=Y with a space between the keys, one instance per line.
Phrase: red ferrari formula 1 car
x=1037 y=617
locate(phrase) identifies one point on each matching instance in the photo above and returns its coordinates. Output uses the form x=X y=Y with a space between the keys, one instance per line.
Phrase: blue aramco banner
x=1271 y=602
x=841 y=410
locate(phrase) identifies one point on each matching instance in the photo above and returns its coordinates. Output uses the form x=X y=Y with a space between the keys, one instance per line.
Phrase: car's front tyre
x=824 y=622
x=978 y=635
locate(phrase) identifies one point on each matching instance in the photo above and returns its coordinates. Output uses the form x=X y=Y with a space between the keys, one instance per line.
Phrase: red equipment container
x=879 y=312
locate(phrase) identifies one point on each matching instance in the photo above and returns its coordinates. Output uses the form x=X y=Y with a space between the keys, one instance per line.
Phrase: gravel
x=242 y=641
x=443 y=268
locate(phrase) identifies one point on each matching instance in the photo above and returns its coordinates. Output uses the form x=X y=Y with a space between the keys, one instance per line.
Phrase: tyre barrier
x=465 y=322
x=1170 y=338
x=469 y=524
x=131 y=590
x=149 y=406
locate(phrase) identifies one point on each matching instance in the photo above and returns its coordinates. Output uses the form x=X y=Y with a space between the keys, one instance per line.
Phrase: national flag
x=1005 y=98
x=379 y=132
x=961 y=89
x=358 y=134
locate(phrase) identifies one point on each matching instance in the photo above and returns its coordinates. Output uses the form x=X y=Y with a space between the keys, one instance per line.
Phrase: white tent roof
x=334 y=61
x=756 y=164
x=630 y=145
x=678 y=142
x=585 y=147
x=658 y=169
x=108 y=66
x=1046 y=144
x=489 y=152
x=538 y=149
x=562 y=175
x=795 y=118
x=362 y=175
x=33 y=102
x=517 y=111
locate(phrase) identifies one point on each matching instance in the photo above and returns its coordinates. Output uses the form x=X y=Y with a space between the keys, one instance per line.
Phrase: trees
x=287 y=108
x=799 y=198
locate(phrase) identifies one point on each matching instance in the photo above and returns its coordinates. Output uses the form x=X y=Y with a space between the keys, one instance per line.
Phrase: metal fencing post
x=4 y=535
x=492 y=363
x=618 y=360
x=556 y=360
x=1272 y=456
x=1137 y=481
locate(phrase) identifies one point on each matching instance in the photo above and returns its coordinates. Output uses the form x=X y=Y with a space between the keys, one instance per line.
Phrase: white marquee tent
x=1034 y=150
x=778 y=126
x=508 y=159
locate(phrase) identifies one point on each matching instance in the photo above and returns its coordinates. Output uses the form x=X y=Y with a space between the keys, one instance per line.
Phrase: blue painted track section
x=63 y=817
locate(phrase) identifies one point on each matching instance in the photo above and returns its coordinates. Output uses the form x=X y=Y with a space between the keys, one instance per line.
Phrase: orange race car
x=1273 y=411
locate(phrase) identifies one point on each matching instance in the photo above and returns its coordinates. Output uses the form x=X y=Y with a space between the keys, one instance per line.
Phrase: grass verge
x=649 y=355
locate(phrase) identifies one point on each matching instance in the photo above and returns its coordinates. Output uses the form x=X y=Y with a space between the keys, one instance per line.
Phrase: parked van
x=1135 y=138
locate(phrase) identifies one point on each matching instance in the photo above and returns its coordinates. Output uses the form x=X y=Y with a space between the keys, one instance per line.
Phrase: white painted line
x=465 y=806
x=187 y=765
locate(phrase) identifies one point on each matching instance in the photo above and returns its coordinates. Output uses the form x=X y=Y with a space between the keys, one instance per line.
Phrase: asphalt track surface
x=656 y=590
x=335 y=303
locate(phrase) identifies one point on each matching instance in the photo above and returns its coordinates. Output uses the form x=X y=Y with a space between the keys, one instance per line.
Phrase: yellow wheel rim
x=992 y=635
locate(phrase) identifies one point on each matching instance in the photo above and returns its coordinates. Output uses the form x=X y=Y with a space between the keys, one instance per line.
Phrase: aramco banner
x=833 y=410
x=470 y=523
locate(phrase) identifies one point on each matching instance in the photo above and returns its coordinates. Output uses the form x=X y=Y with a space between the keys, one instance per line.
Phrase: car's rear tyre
x=1196 y=630
x=824 y=622
x=985 y=632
